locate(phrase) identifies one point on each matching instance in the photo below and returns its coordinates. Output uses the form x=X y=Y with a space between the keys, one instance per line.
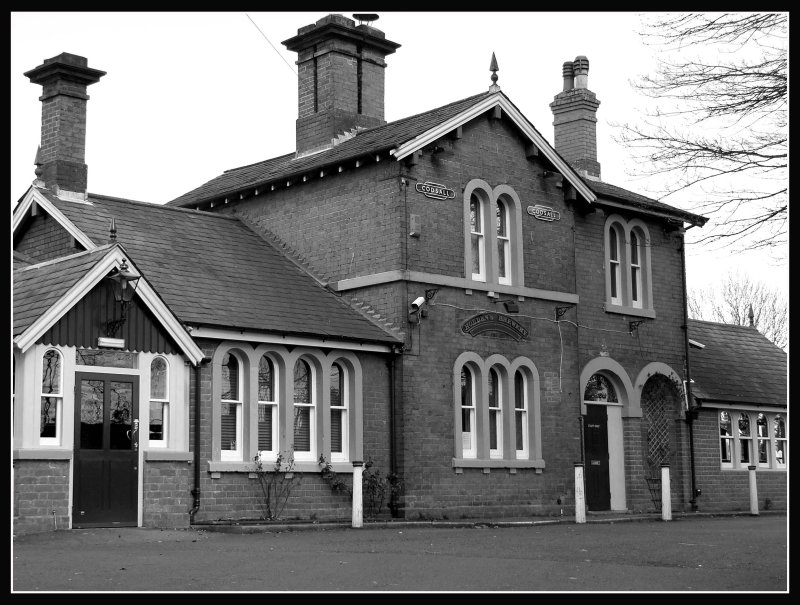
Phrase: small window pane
x=744 y=425
x=501 y=219
x=336 y=431
x=157 y=420
x=265 y=413
x=779 y=427
x=230 y=378
x=725 y=424
x=302 y=382
x=265 y=379
x=476 y=254
x=120 y=415
x=91 y=413
x=475 y=214
x=228 y=431
x=634 y=249
x=51 y=373
x=47 y=428
x=493 y=429
x=302 y=429
x=613 y=247
x=158 y=378
x=599 y=388
x=336 y=387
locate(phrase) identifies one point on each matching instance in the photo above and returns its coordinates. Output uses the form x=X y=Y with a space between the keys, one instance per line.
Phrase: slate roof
x=737 y=365
x=374 y=140
x=36 y=288
x=605 y=190
x=371 y=140
x=213 y=270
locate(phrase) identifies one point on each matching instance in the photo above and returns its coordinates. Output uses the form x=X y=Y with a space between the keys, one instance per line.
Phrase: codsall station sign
x=435 y=191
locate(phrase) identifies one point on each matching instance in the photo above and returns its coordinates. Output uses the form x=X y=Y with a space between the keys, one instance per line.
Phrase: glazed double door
x=106 y=453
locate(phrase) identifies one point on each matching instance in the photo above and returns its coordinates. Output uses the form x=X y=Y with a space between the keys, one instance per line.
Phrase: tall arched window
x=636 y=271
x=521 y=414
x=52 y=398
x=469 y=446
x=503 y=244
x=304 y=412
x=495 y=415
x=159 y=402
x=779 y=430
x=613 y=266
x=726 y=438
x=477 y=240
x=231 y=408
x=745 y=439
x=338 y=409
x=267 y=409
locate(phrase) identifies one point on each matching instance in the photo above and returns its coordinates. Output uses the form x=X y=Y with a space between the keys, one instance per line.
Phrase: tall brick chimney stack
x=340 y=68
x=62 y=153
x=575 y=119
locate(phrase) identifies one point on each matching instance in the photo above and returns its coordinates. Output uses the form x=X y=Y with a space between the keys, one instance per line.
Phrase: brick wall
x=44 y=239
x=41 y=495
x=166 y=494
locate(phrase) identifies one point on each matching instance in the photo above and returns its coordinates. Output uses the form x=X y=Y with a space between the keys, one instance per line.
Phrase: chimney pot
x=569 y=76
x=581 y=70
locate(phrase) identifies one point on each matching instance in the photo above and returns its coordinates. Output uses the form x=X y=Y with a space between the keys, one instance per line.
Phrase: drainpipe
x=196 y=490
x=690 y=413
x=390 y=363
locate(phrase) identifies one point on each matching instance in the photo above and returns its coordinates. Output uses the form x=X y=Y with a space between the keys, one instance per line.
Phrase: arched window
x=503 y=243
x=52 y=398
x=495 y=415
x=762 y=434
x=304 y=412
x=231 y=408
x=726 y=438
x=469 y=444
x=613 y=266
x=339 y=396
x=477 y=240
x=744 y=439
x=599 y=388
x=521 y=414
x=636 y=272
x=267 y=409
x=159 y=402
x=779 y=434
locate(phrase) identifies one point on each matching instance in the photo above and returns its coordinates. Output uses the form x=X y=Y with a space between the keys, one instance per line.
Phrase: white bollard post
x=580 y=501
x=666 y=496
x=358 y=503
x=753 y=490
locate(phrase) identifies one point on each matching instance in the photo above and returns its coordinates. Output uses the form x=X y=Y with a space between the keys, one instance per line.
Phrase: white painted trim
x=753 y=407
x=246 y=335
x=447 y=280
x=34 y=195
x=697 y=344
x=498 y=99
x=112 y=259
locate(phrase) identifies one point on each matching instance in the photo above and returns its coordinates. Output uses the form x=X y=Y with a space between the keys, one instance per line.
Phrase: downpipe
x=196 y=490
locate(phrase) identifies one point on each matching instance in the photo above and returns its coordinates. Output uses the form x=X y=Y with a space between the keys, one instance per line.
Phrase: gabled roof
x=372 y=140
x=212 y=270
x=45 y=292
x=403 y=137
x=738 y=364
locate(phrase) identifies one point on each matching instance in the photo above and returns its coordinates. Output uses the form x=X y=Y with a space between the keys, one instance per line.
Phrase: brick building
x=448 y=296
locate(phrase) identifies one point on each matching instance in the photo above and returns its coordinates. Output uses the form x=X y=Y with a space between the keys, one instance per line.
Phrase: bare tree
x=731 y=301
x=717 y=135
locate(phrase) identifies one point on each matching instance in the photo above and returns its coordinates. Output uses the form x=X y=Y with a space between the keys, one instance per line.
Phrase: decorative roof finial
x=494 y=69
x=38 y=171
x=112 y=239
x=750 y=316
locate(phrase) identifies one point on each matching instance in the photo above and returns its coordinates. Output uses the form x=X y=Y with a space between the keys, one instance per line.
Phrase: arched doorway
x=660 y=400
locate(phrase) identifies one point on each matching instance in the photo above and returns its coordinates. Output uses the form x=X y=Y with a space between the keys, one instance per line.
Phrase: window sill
x=157 y=455
x=42 y=454
x=218 y=466
x=459 y=463
x=623 y=310
x=760 y=469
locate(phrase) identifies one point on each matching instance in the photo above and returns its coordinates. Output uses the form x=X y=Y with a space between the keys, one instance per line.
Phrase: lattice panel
x=656 y=402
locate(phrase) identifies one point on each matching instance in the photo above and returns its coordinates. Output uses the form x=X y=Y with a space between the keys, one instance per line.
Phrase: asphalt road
x=715 y=554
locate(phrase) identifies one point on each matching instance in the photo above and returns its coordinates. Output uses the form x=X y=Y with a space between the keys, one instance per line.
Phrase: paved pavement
x=691 y=553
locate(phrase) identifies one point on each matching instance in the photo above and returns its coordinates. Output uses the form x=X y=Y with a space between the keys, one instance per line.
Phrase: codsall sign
x=436 y=191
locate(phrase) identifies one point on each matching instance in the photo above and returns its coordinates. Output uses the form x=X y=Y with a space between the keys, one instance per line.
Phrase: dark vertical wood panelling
x=86 y=321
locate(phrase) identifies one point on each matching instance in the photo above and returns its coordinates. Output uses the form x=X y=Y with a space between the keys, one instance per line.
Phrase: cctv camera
x=418 y=303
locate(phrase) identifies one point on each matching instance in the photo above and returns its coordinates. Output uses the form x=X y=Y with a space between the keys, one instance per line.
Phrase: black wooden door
x=106 y=450
x=595 y=438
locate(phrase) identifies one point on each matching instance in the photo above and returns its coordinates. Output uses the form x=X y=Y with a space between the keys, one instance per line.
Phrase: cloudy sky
x=189 y=95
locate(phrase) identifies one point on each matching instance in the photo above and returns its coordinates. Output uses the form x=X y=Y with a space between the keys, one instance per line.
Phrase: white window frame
x=58 y=396
x=729 y=439
x=236 y=454
x=521 y=415
x=470 y=410
x=497 y=409
x=272 y=407
x=503 y=241
x=614 y=265
x=165 y=405
x=310 y=455
x=745 y=441
x=752 y=443
x=344 y=398
x=480 y=235
x=636 y=269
